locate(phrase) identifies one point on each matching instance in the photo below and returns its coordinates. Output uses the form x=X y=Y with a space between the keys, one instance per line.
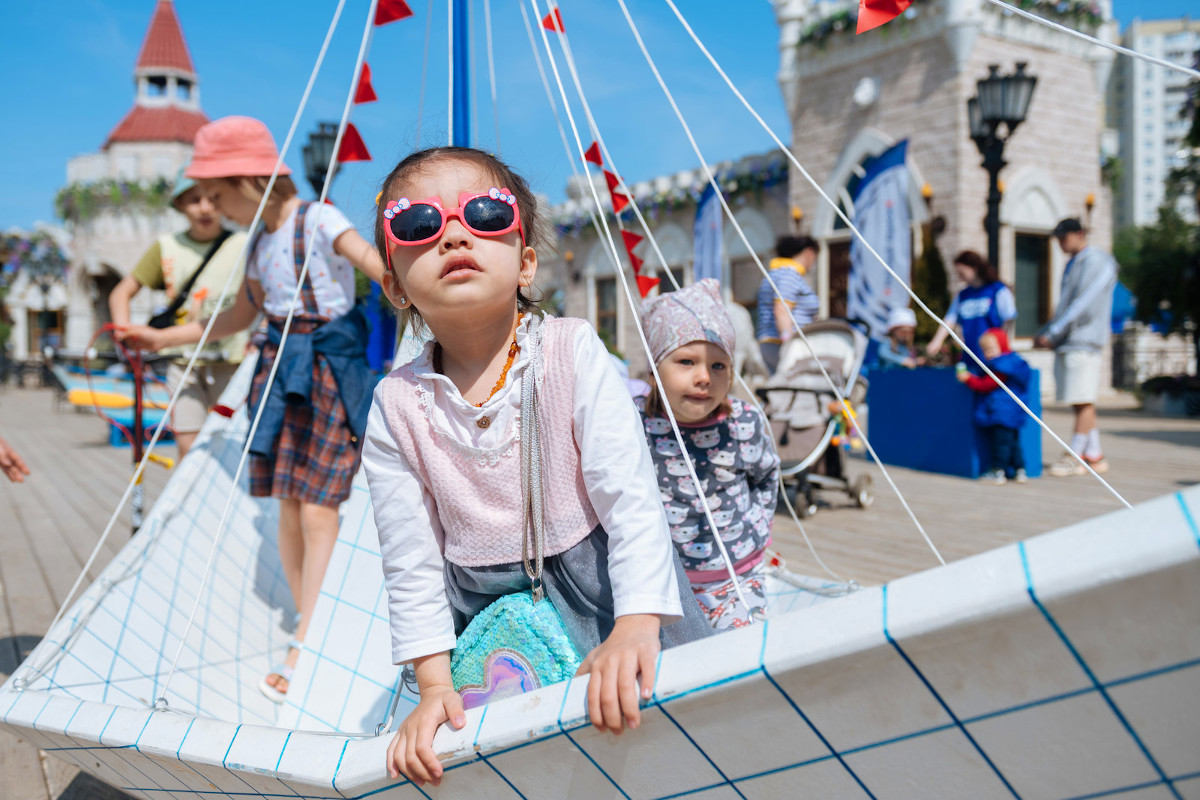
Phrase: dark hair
x=790 y=246
x=984 y=270
x=417 y=162
x=1068 y=225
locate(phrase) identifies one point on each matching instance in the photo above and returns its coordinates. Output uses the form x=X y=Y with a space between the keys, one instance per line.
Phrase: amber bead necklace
x=513 y=349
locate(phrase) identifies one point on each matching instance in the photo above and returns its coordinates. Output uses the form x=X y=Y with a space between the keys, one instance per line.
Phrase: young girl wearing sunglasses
x=304 y=454
x=459 y=231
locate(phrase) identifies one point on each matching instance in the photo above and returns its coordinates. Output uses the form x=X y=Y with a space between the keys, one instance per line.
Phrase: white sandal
x=281 y=672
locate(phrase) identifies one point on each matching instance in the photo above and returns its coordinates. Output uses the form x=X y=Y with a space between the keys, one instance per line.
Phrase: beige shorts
x=199 y=395
x=1077 y=376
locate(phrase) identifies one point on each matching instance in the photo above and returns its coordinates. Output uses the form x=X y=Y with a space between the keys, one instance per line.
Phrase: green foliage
x=1111 y=171
x=1160 y=264
x=844 y=21
x=930 y=281
x=80 y=201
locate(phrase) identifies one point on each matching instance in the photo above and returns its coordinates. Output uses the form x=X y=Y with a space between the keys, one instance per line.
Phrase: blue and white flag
x=881 y=213
x=707 y=232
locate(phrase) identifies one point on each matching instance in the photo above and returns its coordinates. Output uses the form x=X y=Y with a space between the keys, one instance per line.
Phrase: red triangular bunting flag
x=365 y=93
x=391 y=10
x=619 y=202
x=873 y=13
x=553 y=21
x=612 y=180
x=645 y=284
x=592 y=155
x=637 y=265
x=632 y=240
x=353 y=148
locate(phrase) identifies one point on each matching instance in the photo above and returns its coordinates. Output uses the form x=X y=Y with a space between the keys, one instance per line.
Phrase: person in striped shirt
x=777 y=319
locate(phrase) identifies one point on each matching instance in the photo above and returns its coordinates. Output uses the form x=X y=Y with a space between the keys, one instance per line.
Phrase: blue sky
x=69 y=80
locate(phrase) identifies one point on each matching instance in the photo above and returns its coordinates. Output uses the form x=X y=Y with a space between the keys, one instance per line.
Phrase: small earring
x=403 y=302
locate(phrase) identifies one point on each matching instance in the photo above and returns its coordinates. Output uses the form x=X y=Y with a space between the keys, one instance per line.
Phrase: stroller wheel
x=862 y=490
x=806 y=503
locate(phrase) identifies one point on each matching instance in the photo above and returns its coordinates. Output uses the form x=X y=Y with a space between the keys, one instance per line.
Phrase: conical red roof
x=164 y=45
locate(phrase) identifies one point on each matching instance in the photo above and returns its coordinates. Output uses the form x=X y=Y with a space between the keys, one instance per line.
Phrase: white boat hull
x=1067 y=666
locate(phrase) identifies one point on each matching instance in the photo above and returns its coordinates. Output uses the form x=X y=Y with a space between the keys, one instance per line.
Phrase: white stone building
x=115 y=203
x=1146 y=102
x=850 y=97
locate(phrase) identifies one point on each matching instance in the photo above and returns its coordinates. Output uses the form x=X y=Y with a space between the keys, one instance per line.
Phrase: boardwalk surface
x=50 y=524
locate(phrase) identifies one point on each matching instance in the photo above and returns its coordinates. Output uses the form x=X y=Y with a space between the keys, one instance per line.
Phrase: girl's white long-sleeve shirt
x=618 y=474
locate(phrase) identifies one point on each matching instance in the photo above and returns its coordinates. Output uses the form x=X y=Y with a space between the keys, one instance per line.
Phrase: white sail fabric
x=1067 y=666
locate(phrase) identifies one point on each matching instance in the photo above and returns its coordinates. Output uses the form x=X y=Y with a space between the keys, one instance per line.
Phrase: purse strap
x=182 y=295
x=533 y=542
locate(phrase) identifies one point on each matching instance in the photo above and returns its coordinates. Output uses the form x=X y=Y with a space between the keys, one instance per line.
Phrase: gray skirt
x=577 y=583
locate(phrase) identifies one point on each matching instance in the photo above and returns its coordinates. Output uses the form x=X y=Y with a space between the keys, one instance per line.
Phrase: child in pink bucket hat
x=306 y=449
x=692 y=341
x=234 y=146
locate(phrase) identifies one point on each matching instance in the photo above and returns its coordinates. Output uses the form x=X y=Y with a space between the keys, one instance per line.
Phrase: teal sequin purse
x=515 y=645
x=519 y=642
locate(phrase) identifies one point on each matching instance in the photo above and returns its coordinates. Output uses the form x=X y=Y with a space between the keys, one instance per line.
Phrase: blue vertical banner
x=881 y=213
x=707 y=247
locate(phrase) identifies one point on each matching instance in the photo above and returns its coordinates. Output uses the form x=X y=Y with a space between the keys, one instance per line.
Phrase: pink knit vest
x=478 y=493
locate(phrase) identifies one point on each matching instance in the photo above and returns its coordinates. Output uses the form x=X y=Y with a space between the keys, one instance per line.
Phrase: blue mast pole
x=462 y=76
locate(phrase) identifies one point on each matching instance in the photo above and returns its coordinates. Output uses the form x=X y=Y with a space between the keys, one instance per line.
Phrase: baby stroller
x=810 y=427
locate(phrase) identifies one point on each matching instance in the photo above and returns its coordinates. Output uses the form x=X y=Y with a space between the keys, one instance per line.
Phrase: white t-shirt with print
x=273 y=265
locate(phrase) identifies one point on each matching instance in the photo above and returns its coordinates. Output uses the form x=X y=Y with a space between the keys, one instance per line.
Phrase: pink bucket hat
x=234 y=146
x=694 y=314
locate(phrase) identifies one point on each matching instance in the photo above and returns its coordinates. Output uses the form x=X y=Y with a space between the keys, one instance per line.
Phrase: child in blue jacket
x=996 y=412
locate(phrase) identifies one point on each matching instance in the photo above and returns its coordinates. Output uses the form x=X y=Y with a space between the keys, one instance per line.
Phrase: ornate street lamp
x=999 y=100
x=318 y=153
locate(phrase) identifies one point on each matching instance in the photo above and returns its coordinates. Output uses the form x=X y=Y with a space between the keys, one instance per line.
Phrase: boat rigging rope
x=424 y=73
x=450 y=72
x=491 y=58
x=870 y=249
x=712 y=181
x=320 y=205
x=612 y=251
x=658 y=252
x=137 y=475
x=1116 y=48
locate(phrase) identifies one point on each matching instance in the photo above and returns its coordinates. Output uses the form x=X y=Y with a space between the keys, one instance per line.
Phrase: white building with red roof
x=116 y=202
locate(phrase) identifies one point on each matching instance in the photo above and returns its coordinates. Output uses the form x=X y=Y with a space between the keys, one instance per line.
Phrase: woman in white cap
x=171 y=265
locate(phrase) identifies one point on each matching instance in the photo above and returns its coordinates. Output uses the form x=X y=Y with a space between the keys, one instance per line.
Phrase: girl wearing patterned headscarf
x=691 y=340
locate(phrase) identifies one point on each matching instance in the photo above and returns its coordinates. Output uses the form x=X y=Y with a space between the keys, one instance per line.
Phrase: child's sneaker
x=1098 y=464
x=1021 y=477
x=1066 y=466
x=995 y=476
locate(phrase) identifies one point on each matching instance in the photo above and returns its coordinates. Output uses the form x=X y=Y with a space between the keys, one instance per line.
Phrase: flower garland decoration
x=38 y=253
x=1082 y=13
x=83 y=200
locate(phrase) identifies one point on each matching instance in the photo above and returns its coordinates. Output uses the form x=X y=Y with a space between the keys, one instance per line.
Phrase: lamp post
x=318 y=153
x=999 y=100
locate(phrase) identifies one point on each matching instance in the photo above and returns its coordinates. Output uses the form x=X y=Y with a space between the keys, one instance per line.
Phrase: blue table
x=924 y=419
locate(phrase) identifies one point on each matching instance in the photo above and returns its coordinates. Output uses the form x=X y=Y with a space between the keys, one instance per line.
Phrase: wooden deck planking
x=49 y=525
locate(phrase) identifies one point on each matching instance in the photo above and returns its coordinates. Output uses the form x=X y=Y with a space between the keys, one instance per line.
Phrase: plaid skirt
x=315 y=455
